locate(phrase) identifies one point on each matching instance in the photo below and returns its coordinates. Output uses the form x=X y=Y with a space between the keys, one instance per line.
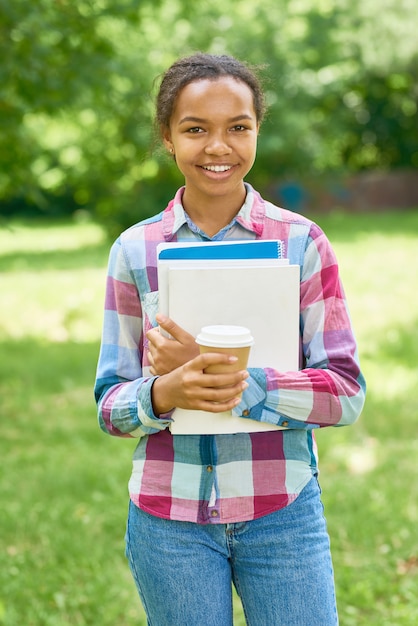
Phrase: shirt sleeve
x=329 y=389
x=122 y=392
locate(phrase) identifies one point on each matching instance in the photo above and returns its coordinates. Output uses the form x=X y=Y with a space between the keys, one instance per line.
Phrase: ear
x=166 y=136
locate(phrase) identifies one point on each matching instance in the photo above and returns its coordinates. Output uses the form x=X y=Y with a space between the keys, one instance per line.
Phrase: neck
x=214 y=213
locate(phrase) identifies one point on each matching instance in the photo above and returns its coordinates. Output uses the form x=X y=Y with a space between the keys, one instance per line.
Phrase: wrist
x=161 y=404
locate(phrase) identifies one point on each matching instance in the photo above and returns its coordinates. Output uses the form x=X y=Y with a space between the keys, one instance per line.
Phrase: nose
x=218 y=145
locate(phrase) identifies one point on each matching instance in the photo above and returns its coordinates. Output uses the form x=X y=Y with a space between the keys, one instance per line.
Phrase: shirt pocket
x=150 y=304
x=150 y=309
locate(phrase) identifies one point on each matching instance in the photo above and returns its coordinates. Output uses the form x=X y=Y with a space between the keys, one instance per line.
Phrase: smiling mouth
x=216 y=168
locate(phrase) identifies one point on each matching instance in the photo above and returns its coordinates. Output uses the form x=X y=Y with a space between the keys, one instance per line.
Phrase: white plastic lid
x=224 y=336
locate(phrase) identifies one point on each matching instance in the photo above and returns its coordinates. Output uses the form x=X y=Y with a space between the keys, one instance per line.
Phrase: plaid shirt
x=239 y=477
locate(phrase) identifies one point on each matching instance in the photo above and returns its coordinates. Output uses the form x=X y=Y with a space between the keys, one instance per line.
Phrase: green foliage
x=64 y=483
x=48 y=50
x=385 y=108
x=76 y=94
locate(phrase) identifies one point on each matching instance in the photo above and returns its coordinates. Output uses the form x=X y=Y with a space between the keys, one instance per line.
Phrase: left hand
x=165 y=354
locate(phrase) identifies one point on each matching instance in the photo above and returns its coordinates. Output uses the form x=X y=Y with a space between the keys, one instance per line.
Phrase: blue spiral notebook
x=221 y=250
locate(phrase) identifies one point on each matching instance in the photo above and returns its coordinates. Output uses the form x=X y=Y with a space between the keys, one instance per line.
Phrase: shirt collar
x=250 y=216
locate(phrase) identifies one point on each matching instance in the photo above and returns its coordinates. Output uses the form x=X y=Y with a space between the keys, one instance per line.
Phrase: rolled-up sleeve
x=122 y=392
x=329 y=389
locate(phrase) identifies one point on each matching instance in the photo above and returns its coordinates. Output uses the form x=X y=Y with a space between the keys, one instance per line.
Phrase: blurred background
x=79 y=162
x=76 y=101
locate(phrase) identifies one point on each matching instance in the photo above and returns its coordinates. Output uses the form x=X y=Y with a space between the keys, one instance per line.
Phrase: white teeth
x=217 y=168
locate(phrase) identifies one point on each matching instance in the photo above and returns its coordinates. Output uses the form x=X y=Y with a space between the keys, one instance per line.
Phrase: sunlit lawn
x=64 y=483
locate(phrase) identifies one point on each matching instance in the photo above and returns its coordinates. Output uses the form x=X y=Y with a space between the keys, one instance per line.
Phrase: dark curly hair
x=201 y=66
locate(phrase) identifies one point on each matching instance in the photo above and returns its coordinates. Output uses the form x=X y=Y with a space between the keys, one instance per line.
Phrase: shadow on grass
x=46 y=394
x=42 y=367
x=51 y=441
x=93 y=256
x=64 y=492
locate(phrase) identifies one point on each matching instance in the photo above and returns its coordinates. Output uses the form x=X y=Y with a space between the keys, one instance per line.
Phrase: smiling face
x=213 y=135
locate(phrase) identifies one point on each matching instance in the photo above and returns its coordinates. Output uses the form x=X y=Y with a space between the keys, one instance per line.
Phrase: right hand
x=190 y=387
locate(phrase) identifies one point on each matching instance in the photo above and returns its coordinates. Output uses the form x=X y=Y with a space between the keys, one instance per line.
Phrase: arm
x=131 y=404
x=329 y=390
x=122 y=392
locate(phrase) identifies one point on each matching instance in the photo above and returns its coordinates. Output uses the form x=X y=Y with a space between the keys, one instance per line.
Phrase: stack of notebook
x=245 y=283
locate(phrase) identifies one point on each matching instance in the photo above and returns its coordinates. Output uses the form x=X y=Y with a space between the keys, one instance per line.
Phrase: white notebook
x=264 y=299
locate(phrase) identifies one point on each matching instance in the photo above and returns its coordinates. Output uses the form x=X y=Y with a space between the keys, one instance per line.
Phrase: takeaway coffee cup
x=233 y=340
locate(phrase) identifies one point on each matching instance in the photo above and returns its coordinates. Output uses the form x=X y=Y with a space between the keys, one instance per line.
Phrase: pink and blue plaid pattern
x=227 y=478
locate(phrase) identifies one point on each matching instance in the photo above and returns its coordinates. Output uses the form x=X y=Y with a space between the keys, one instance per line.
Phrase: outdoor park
x=77 y=166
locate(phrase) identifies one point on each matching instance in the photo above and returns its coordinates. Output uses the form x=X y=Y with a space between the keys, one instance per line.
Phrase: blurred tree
x=69 y=96
x=381 y=131
x=76 y=93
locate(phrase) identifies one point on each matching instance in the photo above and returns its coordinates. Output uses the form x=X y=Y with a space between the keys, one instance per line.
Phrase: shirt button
x=209 y=468
x=214 y=513
x=285 y=423
x=246 y=413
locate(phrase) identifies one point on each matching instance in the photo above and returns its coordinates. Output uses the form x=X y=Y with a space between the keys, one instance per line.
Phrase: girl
x=210 y=511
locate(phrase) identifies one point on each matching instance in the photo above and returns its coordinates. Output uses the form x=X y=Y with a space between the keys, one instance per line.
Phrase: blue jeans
x=280 y=565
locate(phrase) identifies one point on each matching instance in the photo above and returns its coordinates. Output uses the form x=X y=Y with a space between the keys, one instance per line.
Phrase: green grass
x=64 y=483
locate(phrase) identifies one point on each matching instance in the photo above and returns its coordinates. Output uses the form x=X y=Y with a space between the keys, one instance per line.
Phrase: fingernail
x=232 y=359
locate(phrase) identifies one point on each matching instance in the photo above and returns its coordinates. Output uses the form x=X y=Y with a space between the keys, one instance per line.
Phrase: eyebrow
x=199 y=120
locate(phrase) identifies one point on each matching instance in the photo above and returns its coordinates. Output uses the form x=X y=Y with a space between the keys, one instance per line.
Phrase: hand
x=165 y=354
x=190 y=387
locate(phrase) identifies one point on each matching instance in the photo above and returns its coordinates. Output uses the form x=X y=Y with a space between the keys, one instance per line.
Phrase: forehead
x=225 y=93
